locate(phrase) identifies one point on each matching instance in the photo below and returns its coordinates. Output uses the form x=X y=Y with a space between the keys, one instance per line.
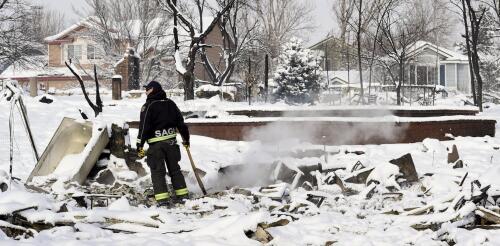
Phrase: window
x=442 y=75
x=421 y=75
x=92 y=52
x=74 y=51
x=426 y=75
x=432 y=75
x=412 y=74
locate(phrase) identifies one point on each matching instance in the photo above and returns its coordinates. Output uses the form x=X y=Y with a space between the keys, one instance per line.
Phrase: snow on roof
x=36 y=67
x=163 y=38
x=344 y=77
x=89 y=22
x=134 y=26
x=449 y=55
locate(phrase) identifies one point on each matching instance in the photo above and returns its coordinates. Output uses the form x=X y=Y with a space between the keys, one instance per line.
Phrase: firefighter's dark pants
x=159 y=154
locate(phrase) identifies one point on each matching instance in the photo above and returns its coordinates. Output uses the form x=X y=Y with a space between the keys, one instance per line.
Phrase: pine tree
x=297 y=74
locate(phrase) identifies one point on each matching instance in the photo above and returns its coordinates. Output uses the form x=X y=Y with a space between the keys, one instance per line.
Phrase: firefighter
x=160 y=117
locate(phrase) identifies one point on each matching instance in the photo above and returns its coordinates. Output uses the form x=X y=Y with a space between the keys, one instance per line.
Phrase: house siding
x=55 y=54
x=463 y=78
x=213 y=53
x=451 y=76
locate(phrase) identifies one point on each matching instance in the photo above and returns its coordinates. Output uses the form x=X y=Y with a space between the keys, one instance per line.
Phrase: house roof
x=164 y=38
x=449 y=55
x=343 y=77
x=319 y=44
x=36 y=67
x=86 y=22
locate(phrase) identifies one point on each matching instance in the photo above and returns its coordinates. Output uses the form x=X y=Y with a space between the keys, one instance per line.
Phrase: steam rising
x=275 y=142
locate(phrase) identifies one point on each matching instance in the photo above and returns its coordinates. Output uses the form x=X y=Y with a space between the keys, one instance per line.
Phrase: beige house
x=428 y=65
x=50 y=72
x=76 y=44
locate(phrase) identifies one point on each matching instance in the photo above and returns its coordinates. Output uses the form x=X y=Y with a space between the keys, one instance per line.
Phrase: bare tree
x=343 y=11
x=280 y=20
x=138 y=24
x=475 y=19
x=3 y=3
x=196 y=38
x=365 y=12
x=97 y=107
x=400 y=29
x=380 y=13
x=494 y=6
x=238 y=30
x=47 y=22
x=465 y=20
x=17 y=33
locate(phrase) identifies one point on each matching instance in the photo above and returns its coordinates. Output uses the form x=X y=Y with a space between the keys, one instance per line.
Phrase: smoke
x=281 y=140
x=329 y=131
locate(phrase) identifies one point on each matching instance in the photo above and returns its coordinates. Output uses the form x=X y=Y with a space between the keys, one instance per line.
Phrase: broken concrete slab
x=458 y=164
x=105 y=177
x=360 y=176
x=357 y=166
x=14 y=231
x=334 y=179
x=406 y=167
x=488 y=215
x=284 y=173
x=453 y=156
x=274 y=191
x=260 y=234
x=368 y=192
x=72 y=138
x=317 y=200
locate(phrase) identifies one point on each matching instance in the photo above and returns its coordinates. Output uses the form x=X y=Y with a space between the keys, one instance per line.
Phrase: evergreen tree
x=297 y=74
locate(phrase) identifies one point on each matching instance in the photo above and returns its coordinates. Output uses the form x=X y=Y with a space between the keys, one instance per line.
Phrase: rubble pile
x=118 y=199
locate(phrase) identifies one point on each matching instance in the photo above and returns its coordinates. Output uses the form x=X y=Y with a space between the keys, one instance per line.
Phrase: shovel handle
x=198 y=179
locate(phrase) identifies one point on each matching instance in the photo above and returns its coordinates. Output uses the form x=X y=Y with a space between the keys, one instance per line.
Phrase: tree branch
x=82 y=85
x=3 y=3
x=97 y=93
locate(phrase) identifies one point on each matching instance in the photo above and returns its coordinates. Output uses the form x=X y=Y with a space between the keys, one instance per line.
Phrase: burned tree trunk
x=96 y=108
x=119 y=145
x=117 y=141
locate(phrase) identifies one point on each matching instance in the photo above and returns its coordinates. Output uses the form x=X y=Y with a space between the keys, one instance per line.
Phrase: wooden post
x=33 y=87
x=116 y=83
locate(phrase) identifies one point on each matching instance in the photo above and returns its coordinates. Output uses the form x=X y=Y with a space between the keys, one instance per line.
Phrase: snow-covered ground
x=230 y=214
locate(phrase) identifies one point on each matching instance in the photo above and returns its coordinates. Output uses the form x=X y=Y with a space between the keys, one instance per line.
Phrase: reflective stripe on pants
x=162 y=138
x=162 y=196
x=181 y=192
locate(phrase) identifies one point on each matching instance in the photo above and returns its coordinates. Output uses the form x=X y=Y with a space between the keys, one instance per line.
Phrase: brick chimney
x=128 y=68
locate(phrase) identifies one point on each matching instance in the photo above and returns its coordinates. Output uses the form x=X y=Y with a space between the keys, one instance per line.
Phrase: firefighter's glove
x=186 y=144
x=141 y=153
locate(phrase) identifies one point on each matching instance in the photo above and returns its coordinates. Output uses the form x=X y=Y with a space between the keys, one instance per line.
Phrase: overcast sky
x=323 y=15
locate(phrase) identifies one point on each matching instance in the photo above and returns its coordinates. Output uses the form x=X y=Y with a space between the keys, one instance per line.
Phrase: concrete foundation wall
x=338 y=133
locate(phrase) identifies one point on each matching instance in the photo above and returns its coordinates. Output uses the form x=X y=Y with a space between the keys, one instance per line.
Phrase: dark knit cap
x=153 y=84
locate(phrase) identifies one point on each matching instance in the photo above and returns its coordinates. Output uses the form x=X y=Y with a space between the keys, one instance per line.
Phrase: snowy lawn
x=243 y=201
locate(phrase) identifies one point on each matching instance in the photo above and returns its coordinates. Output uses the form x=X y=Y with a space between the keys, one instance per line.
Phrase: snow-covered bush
x=297 y=74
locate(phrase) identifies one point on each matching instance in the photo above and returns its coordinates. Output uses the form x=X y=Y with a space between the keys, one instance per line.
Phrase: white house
x=427 y=64
x=430 y=64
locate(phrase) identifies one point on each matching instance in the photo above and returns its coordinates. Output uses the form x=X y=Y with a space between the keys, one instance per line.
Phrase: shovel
x=198 y=179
